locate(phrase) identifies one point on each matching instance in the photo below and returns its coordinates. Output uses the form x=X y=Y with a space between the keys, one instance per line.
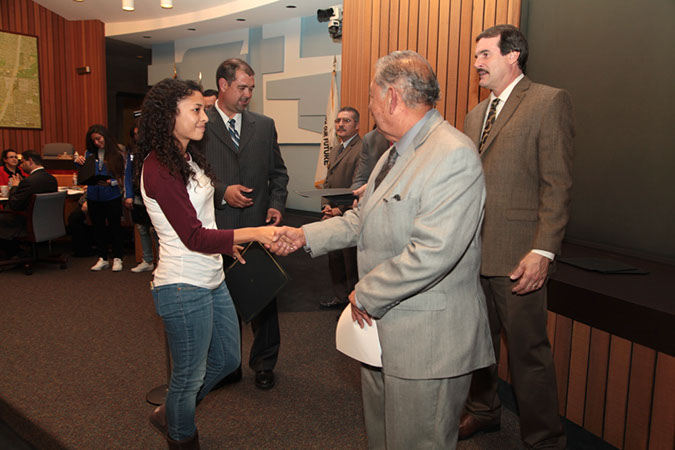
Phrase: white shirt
x=503 y=97
x=226 y=119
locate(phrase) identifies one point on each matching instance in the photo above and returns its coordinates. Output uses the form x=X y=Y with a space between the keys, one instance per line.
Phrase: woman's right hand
x=79 y=160
x=266 y=235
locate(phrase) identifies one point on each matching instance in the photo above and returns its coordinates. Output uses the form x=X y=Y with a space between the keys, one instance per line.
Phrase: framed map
x=19 y=82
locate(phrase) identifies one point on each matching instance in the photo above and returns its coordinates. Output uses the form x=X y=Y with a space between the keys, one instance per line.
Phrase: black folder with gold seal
x=255 y=284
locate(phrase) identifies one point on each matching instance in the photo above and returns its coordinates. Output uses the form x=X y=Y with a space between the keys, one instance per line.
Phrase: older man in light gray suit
x=417 y=232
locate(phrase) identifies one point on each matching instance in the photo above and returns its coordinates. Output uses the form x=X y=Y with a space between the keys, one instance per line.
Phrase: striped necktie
x=233 y=132
x=391 y=160
x=488 y=124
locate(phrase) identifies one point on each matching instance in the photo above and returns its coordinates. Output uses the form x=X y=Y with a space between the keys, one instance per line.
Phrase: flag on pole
x=329 y=137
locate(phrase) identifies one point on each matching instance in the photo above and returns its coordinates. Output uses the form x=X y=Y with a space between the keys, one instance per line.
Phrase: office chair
x=44 y=222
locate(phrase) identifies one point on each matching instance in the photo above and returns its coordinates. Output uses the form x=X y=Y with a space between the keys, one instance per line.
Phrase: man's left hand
x=273 y=217
x=14 y=180
x=359 y=315
x=129 y=203
x=531 y=272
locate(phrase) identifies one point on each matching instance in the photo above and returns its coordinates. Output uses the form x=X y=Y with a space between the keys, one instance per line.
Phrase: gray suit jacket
x=257 y=164
x=527 y=161
x=418 y=245
x=374 y=145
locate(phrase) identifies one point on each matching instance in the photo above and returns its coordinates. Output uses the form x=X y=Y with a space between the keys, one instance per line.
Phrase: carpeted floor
x=79 y=350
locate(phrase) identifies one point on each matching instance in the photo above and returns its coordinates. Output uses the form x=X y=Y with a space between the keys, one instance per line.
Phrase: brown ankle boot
x=158 y=419
x=191 y=443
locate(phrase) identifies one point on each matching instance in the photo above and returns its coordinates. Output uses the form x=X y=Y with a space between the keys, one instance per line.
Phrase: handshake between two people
x=279 y=240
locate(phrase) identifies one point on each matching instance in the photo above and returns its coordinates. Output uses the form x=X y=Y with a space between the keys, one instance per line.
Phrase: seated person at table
x=10 y=167
x=39 y=181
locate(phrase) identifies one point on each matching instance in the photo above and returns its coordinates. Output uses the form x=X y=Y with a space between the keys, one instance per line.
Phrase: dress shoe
x=232 y=378
x=264 y=379
x=334 y=303
x=469 y=426
x=158 y=419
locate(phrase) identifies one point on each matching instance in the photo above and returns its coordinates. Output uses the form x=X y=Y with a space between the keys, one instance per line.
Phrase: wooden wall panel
x=662 y=429
x=70 y=102
x=596 y=384
x=440 y=30
x=576 y=387
x=640 y=388
x=618 y=375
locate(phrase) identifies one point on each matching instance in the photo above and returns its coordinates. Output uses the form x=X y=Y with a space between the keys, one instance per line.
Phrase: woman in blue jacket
x=104 y=199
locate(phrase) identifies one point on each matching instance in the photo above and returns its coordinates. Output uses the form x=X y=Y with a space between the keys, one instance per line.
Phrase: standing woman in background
x=189 y=284
x=104 y=200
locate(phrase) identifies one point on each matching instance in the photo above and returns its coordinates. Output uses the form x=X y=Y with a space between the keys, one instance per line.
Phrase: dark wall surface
x=617 y=60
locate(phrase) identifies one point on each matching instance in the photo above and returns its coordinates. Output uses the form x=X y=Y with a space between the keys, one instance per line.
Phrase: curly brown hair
x=114 y=160
x=155 y=131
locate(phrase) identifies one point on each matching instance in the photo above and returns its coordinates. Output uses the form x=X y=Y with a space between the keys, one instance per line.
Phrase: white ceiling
x=163 y=25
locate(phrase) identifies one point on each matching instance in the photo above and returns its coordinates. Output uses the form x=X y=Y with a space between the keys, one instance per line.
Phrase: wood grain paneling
x=596 y=384
x=618 y=375
x=643 y=362
x=70 y=102
x=442 y=31
x=576 y=387
x=662 y=429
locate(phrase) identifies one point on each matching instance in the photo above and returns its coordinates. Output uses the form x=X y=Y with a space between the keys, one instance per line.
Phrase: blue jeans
x=203 y=333
x=147 y=235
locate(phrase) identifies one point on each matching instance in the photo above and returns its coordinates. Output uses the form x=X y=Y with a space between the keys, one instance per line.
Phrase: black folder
x=86 y=174
x=255 y=284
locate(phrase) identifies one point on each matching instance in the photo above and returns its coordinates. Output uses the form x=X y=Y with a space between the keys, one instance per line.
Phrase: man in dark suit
x=373 y=147
x=343 y=161
x=250 y=189
x=21 y=190
x=524 y=132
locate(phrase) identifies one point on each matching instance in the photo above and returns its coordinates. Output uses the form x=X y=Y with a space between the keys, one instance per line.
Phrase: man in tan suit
x=524 y=132
x=343 y=162
x=417 y=233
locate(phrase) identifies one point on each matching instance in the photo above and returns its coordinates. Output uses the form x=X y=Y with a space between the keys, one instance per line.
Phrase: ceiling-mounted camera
x=333 y=16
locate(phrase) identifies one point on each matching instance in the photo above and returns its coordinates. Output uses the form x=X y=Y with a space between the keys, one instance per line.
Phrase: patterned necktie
x=233 y=132
x=391 y=160
x=340 y=148
x=488 y=124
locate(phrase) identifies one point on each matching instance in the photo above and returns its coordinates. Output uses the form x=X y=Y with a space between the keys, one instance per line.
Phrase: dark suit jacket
x=342 y=168
x=374 y=145
x=39 y=182
x=527 y=162
x=257 y=164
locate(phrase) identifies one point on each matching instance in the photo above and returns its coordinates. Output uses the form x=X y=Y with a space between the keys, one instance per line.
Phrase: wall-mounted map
x=19 y=82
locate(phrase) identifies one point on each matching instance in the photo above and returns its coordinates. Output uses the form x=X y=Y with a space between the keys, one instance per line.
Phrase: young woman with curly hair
x=104 y=200
x=188 y=286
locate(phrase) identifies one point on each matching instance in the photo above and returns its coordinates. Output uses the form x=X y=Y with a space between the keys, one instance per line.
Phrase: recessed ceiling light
x=79 y=1
x=241 y=20
x=192 y=29
x=147 y=37
x=128 y=5
x=291 y=6
x=166 y=4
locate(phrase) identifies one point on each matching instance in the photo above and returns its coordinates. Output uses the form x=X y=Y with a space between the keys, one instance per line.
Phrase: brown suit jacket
x=341 y=169
x=527 y=161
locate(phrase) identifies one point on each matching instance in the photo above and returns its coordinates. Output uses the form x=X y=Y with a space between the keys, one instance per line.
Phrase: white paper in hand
x=362 y=344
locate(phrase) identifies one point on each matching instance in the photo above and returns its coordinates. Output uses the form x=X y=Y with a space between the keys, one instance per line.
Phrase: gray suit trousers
x=412 y=414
